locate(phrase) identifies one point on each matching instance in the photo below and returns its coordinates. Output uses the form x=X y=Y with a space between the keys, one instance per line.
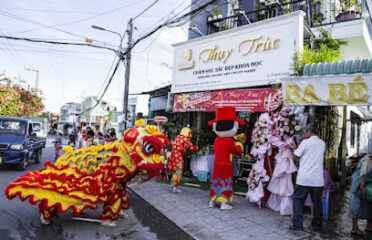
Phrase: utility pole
x=127 y=74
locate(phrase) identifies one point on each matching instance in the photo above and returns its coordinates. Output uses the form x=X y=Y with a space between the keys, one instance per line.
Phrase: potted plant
x=350 y=9
x=260 y=8
x=225 y=27
x=217 y=14
x=210 y=17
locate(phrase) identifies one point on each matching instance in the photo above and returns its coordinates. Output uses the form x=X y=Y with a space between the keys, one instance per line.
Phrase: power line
x=152 y=4
x=108 y=84
x=83 y=19
x=170 y=22
x=36 y=40
x=44 y=25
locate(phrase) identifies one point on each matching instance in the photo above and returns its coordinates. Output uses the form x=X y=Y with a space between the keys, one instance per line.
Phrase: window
x=12 y=127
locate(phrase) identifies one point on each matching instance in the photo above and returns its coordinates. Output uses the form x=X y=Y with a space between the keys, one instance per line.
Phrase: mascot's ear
x=224 y=125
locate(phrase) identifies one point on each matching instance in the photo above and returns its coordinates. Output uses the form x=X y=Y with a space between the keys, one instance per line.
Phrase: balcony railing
x=317 y=14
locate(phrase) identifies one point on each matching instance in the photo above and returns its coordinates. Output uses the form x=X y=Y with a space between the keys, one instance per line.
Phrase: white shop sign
x=252 y=55
x=355 y=89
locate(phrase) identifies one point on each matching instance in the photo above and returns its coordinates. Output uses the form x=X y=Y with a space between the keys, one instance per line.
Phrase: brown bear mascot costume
x=225 y=126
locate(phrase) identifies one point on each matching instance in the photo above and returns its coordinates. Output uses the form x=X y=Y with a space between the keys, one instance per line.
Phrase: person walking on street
x=360 y=207
x=58 y=145
x=309 y=178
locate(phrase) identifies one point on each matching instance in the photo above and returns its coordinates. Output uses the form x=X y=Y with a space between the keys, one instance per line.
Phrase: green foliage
x=46 y=115
x=327 y=40
x=347 y=5
x=16 y=101
x=325 y=49
x=217 y=11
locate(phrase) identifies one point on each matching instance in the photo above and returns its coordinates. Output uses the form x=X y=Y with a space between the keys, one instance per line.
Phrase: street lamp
x=107 y=30
x=37 y=77
x=120 y=53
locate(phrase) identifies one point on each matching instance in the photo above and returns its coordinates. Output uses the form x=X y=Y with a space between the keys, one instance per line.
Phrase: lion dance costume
x=225 y=126
x=82 y=178
x=176 y=163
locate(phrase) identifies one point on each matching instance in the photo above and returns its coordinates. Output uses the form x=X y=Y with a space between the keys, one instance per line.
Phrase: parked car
x=19 y=143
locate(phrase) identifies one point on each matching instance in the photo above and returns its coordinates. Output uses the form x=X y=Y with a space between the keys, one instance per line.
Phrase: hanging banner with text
x=255 y=100
x=353 y=89
x=256 y=54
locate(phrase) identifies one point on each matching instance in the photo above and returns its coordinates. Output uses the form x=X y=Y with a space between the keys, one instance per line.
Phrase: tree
x=16 y=101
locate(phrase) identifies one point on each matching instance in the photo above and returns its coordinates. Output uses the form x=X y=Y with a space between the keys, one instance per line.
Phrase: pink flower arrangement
x=254 y=179
x=289 y=122
x=261 y=130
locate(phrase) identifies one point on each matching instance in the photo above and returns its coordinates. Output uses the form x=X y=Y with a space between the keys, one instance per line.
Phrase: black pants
x=299 y=197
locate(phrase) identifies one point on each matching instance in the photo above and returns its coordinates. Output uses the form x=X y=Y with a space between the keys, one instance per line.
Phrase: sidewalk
x=189 y=210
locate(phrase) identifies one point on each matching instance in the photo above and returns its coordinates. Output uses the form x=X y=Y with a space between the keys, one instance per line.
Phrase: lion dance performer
x=176 y=163
x=225 y=126
x=82 y=178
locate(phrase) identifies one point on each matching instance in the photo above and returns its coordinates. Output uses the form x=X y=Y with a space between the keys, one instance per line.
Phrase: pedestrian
x=81 y=138
x=361 y=208
x=72 y=138
x=309 y=178
x=89 y=139
x=100 y=138
x=327 y=188
x=112 y=137
x=58 y=145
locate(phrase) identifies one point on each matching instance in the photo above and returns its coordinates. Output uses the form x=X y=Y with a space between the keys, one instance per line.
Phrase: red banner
x=255 y=100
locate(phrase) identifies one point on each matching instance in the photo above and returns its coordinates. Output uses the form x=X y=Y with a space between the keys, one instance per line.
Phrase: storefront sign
x=257 y=100
x=328 y=90
x=160 y=119
x=158 y=103
x=252 y=55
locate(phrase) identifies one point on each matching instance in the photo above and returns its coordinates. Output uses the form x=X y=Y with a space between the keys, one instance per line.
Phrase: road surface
x=20 y=220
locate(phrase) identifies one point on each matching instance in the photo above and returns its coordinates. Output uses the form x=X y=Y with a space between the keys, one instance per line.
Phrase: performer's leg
x=111 y=210
x=124 y=205
x=46 y=213
x=177 y=177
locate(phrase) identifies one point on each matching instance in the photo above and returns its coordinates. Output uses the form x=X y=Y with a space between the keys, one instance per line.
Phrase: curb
x=191 y=227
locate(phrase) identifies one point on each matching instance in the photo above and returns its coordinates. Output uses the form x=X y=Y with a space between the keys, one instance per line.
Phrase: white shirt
x=311 y=153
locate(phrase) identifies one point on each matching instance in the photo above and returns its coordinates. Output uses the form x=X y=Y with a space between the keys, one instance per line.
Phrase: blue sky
x=69 y=73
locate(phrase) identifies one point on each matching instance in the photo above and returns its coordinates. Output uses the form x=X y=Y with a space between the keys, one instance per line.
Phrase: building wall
x=200 y=21
x=364 y=133
x=356 y=48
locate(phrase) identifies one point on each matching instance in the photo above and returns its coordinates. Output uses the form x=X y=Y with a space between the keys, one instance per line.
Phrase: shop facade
x=240 y=67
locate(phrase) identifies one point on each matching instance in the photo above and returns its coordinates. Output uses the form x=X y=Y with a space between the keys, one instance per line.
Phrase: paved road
x=20 y=220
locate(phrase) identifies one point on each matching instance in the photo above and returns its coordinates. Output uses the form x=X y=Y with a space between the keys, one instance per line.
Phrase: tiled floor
x=190 y=211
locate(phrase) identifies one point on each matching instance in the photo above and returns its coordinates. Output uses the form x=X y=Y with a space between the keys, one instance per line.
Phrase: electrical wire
x=4 y=13
x=82 y=19
x=36 y=40
x=152 y=4
x=108 y=84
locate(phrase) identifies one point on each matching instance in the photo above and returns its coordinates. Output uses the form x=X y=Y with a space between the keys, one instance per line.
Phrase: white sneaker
x=43 y=221
x=122 y=214
x=109 y=223
x=176 y=190
x=225 y=206
x=211 y=204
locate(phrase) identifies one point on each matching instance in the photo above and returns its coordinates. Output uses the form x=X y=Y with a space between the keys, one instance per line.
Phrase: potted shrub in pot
x=210 y=17
x=350 y=9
